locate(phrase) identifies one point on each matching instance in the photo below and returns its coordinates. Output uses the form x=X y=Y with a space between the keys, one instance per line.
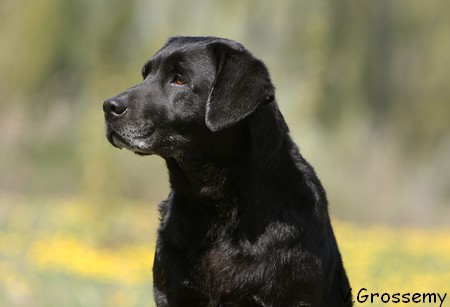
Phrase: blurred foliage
x=363 y=87
x=62 y=252
x=58 y=253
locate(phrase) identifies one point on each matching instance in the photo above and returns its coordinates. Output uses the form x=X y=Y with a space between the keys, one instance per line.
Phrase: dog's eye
x=178 y=80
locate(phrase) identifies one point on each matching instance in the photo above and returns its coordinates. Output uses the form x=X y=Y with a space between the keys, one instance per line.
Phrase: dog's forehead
x=191 y=51
x=194 y=45
x=189 y=54
x=181 y=48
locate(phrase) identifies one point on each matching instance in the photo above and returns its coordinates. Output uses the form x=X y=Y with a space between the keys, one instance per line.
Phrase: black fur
x=246 y=222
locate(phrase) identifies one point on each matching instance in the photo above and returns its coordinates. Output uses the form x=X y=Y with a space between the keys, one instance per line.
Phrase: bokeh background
x=364 y=86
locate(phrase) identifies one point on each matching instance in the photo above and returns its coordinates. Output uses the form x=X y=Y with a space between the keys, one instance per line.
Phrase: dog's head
x=193 y=87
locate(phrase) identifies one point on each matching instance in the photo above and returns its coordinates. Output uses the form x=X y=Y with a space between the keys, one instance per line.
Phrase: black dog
x=246 y=222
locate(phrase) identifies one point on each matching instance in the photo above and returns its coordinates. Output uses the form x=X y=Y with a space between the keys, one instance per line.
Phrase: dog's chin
x=114 y=139
x=138 y=147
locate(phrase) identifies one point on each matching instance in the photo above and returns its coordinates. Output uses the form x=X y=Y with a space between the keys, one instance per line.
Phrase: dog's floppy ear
x=242 y=83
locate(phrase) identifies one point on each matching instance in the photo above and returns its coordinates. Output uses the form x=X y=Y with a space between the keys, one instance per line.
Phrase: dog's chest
x=222 y=272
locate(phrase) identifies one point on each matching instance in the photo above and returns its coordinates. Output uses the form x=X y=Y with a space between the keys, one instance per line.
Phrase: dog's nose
x=115 y=106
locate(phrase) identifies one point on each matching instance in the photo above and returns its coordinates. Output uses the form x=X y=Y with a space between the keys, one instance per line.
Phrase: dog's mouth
x=115 y=139
x=139 y=146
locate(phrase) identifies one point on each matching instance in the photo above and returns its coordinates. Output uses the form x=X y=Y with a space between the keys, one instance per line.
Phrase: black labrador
x=246 y=222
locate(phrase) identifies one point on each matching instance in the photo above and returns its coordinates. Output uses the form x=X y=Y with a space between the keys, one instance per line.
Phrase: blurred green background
x=363 y=86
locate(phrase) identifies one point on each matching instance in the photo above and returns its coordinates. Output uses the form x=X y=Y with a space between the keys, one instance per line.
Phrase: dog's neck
x=233 y=186
x=260 y=149
x=204 y=177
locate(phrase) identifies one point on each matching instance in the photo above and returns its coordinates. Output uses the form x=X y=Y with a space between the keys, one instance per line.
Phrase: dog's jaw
x=113 y=139
x=131 y=138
